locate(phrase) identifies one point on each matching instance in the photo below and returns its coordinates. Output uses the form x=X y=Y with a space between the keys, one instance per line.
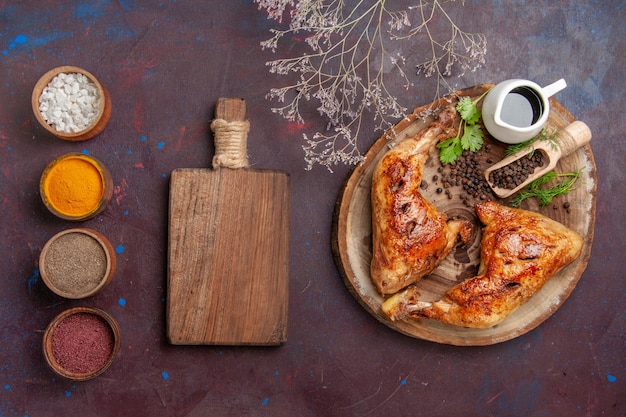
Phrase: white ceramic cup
x=516 y=110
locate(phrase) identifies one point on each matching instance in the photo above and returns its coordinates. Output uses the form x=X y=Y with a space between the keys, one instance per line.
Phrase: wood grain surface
x=352 y=234
x=228 y=266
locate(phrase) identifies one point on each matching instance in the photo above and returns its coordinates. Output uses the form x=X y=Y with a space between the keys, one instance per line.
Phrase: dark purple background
x=165 y=63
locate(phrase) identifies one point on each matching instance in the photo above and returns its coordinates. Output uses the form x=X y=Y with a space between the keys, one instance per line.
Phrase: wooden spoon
x=568 y=140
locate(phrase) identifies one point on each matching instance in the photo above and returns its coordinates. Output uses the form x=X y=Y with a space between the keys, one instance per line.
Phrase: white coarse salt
x=70 y=103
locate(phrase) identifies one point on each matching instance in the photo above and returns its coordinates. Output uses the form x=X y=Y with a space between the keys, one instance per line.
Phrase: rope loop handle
x=231 y=143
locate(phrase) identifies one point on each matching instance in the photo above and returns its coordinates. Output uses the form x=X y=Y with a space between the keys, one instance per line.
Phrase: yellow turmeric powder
x=73 y=185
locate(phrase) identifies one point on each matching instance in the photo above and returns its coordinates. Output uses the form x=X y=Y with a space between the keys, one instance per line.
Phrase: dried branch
x=349 y=64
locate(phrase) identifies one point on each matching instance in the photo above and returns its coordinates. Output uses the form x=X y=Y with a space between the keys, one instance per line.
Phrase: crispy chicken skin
x=410 y=236
x=520 y=251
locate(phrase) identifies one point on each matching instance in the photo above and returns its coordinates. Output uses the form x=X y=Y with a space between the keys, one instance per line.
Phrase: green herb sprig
x=545 y=195
x=546 y=134
x=472 y=139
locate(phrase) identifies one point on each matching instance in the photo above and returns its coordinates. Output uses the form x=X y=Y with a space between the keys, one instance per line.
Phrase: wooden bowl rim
x=107 y=186
x=111 y=262
x=45 y=79
x=47 y=342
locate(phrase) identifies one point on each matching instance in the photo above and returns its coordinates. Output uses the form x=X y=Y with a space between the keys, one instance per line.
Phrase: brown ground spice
x=75 y=263
x=82 y=343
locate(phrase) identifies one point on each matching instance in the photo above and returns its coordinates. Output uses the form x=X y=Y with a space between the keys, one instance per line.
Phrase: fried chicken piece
x=520 y=251
x=410 y=236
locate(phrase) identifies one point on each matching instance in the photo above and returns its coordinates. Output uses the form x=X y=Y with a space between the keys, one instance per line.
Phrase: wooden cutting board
x=228 y=253
x=352 y=232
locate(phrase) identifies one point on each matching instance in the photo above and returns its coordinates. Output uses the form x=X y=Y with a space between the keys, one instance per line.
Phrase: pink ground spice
x=82 y=343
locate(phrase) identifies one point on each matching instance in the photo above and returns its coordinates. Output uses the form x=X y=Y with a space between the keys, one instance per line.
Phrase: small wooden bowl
x=65 y=350
x=77 y=263
x=53 y=174
x=99 y=122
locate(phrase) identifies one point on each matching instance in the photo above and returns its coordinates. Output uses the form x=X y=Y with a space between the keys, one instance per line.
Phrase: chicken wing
x=410 y=236
x=520 y=251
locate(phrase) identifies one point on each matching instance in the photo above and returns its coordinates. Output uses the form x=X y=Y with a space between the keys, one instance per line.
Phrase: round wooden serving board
x=352 y=235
